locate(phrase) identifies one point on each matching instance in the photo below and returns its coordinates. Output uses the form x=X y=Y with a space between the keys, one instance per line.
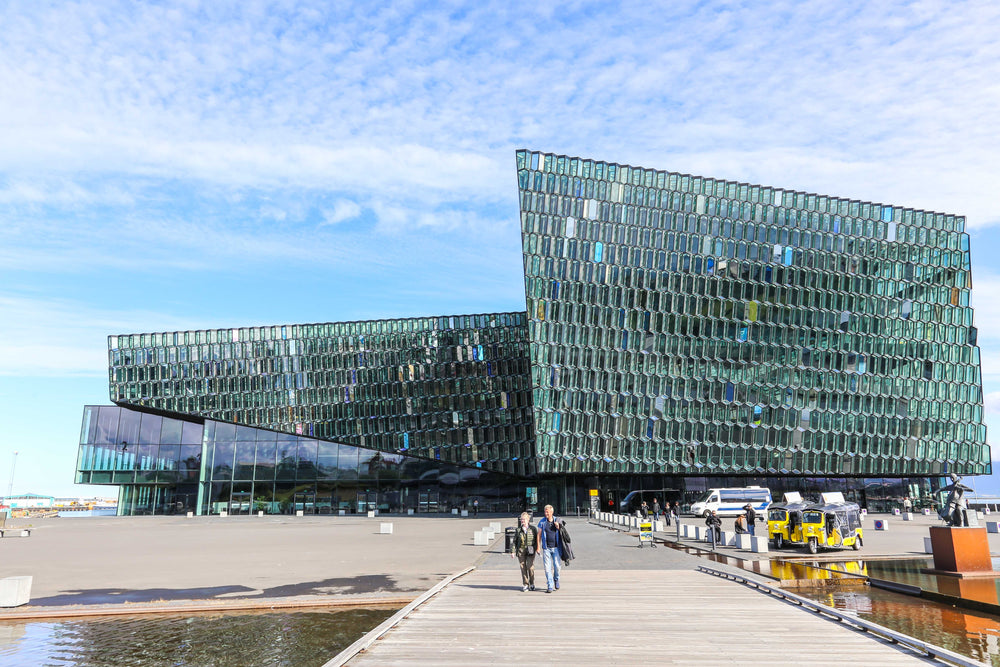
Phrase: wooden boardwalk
x=602 y=617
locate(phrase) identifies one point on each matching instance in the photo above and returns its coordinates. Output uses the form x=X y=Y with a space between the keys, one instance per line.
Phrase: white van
x=730 y=502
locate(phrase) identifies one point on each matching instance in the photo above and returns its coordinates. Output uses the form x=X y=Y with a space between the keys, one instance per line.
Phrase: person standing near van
x=644 y=510
x=714 y=523
x=751 y=516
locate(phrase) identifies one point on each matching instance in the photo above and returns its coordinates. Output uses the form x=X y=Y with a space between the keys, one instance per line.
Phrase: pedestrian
x=714 y=523
x=549 y=541
x=644 y=510
x=676 y=510
x=475 y=507
x=666 y=511
x=907 y=504
x=741 y=524
x=656 y=509
x=751 y=516
x=524 y=547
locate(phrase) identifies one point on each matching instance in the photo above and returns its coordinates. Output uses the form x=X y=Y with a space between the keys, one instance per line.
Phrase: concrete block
x=927 y=511
x=743 y=541
x=895 y=510
x=728 y=538
x=687 y=530
x=302 y=513
x=993 y=526
x=223 y=513
x=657 y=526
x=190 y=514
x=480 y=539
x=342 y=512
x=495 y=525
x=371 y=514
x=455 y=511
x=928 y=546
x=465 y=512
x=907 y=516
x=385 y=529
x=864 y=512
x=758 y=544
x=409 y=512
x=260 y=512
x=15 y=591
x=980 y=515
x=881 y=524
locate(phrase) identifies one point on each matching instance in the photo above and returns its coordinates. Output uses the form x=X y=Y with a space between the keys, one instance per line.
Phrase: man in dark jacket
x=549 y=541
x=751 y=517
x=714 y=523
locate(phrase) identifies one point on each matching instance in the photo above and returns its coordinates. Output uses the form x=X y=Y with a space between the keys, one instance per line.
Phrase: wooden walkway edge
x=601 y=617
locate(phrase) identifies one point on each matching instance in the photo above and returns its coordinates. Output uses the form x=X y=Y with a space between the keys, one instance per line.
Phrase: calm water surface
x=293 y=638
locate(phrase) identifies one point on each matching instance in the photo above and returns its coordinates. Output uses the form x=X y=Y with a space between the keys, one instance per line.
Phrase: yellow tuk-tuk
x=832 y=525
x=784 y=523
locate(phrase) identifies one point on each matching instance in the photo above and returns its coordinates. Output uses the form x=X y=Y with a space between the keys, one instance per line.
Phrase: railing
x=912 y=643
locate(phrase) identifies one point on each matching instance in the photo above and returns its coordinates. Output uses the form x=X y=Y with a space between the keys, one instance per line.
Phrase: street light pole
x=10 y=487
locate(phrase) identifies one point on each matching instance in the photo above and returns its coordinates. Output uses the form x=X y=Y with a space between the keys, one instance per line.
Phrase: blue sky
x=185 y=165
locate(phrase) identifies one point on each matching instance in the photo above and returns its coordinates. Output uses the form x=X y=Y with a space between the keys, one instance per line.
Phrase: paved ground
x=108 y=561
x=113 y=560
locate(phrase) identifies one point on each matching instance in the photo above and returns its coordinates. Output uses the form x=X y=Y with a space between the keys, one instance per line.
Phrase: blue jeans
x=750 y=528
x=550 y=561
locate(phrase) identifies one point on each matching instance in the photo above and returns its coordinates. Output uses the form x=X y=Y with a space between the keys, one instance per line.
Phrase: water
x=293 y=638
x=966 y=632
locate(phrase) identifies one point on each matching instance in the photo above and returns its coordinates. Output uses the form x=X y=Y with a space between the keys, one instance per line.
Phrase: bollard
x=759 y=544
x=992 y=527
x=260 y=512
x=495 y=525
x=465 y=512
x=223 y=513
x=744 y=542
x=302 y=513
x=409 y=512
x=881 y=524
x=907 y=516
x=15 y=591
x=480 y=539
x=342 y=512
x=190 y=514
x=385 y=529
x=371 y=514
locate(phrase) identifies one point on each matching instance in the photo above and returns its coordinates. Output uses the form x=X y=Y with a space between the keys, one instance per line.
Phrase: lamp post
x=10 y=486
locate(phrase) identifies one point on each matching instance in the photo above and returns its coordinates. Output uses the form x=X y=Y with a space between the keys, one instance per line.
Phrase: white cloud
x=343 y=209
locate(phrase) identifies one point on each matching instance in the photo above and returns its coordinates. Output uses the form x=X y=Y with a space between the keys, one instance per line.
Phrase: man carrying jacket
x=548 y=542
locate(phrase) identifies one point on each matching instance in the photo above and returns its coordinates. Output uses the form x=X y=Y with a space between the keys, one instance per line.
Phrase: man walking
x=751 y=516
x=548 y=541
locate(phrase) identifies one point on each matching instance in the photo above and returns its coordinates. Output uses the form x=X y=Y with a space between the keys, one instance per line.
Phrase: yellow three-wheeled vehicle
x=829 y=525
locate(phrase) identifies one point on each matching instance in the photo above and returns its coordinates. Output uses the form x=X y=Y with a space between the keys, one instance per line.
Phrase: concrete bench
x=15 y=532
x=15 y=591
x=744 y=542
x=728 y=538
x=758 y=544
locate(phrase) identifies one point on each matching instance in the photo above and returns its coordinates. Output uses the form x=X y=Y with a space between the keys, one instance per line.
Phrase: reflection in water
x=966 y=632
x=910 y=571
x=204 y=640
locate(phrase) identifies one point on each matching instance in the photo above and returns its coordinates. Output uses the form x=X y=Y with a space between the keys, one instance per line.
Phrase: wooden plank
x=603 y=617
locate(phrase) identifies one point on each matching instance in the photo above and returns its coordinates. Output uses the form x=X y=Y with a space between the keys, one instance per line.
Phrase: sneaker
x=548 y=590
x=531 y=587
x=524 y=589
x=557 y=585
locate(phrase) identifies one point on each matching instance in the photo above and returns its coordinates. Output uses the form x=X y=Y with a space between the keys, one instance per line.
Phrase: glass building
x=680 y=332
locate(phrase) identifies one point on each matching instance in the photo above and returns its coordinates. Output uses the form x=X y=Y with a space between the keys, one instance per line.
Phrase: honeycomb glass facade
x=680 y=332
x=691 y=325
x=451 y=388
